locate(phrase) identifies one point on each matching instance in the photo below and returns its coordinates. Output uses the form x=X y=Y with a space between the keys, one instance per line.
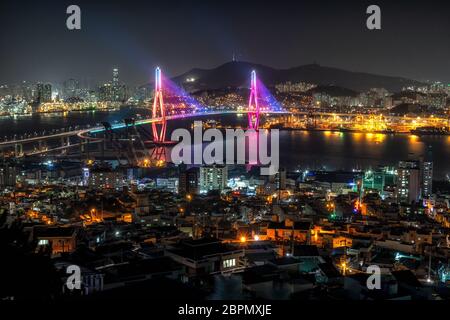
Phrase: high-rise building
x=280 y=179
x=106 y=178
x=374 y=180
x=213 y=177
x=378 y=179
x=27 y=91
x=8 y=175
x=119 y=93
x=427 y=174
x=115 y=79
x=118 y=90
x=71 y=88
x=188 y=180
x=408 y=181
x=43 y=92
x=105 y=92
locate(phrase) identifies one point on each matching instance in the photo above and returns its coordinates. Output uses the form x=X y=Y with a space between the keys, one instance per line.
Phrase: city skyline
x=202 y=151
x=172 y=35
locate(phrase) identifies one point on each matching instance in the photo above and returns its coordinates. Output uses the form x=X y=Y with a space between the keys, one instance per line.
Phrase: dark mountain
x=334 y=91
x=407 y=94
x=231 y=74
x=409 y=108
x=236 y=74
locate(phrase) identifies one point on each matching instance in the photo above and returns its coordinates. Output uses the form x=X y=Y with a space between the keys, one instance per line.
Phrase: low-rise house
x=123 y=274
x=258 y=252
x=299 y=231
x=91 y=281
x=272 y=282
x=309 y=257
x=328 y=274
x=356 y=288
x=408 y=282
x=57 y=239
x=206 y=256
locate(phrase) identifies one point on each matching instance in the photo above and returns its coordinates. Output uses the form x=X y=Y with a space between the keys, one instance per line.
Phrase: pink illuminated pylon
x=158 y=105
x=253 y=107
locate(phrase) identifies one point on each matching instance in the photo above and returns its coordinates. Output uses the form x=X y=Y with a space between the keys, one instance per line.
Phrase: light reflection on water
x=316 y=150
x=298 y=149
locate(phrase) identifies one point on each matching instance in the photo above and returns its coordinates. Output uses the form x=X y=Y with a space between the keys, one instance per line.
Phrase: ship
x=430 y=131
x=385 y=131
x=277 y=126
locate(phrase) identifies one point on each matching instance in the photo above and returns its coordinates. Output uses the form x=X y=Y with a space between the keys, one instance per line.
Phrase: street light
x=344 y=267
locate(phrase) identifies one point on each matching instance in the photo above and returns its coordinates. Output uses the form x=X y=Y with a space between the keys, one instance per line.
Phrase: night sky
x=179 y=35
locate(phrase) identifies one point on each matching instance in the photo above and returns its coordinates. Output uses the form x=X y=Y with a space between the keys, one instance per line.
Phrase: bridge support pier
x=42 y=145
x=83 y=149
x=18 y=149
x=65 y=142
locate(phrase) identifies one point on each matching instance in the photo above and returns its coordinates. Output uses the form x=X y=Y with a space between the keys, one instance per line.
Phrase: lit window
x=43 y=242
x=229 y=263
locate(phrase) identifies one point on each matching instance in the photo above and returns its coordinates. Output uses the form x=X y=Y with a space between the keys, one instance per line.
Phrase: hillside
x=236 y=74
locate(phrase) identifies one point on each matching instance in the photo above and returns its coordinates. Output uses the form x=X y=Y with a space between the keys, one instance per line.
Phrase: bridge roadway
x=84 y=133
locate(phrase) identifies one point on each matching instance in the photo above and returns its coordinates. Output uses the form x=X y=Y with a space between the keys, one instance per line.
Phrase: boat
x=435 y=131
x=277 y=126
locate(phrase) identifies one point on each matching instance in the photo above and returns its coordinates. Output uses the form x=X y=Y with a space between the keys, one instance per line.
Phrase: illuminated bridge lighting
x=159 y=111
x=253 y=106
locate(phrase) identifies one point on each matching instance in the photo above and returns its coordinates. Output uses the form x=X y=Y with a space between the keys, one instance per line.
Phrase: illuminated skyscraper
x=427 y=174
x=115 y=79
x=105 y=92
x=118 y=90
x=27 y=91
x=71 y=88
x=43 y=92
x=408 y=181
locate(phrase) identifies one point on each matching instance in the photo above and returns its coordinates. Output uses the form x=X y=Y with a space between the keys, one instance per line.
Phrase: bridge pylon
x=253 y=106
x=159 y=111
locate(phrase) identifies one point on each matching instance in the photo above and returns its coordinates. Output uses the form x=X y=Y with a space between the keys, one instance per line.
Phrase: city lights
x=147 y=160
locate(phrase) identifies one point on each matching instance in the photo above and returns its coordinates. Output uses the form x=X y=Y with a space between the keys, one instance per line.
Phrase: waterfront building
x=378 y=179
